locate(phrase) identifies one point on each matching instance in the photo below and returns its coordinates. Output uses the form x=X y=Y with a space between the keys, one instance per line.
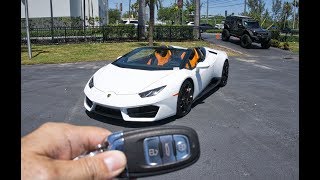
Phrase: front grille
x=89 y=102
x=145 y=111
x=109 y=112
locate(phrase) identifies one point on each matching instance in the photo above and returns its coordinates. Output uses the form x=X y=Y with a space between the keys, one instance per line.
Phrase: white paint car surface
x=153 y=83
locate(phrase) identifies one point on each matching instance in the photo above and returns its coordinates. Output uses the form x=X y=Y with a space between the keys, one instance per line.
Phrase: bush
x=121 y=31
x=288 y=38
x=172 y=32
x=275 y=34
x=275 y=43
x=214 y=30
x=286 y=46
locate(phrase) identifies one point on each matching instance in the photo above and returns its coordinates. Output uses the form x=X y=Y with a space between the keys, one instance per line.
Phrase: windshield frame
x=251 y=21
x=182 y=65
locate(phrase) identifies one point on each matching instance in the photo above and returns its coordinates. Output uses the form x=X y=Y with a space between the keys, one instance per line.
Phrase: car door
x=203 y=75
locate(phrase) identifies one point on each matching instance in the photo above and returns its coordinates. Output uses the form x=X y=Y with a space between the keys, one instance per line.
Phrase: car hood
x=259 y=30
x=119 y=80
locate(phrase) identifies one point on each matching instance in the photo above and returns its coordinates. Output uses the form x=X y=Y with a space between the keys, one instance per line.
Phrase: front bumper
x=129 y=107
x=260 y=38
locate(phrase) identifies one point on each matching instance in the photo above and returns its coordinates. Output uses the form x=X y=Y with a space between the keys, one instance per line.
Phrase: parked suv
x=247 y=29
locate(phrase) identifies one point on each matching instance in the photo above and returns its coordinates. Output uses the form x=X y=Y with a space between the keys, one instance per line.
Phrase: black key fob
x=152 y=151
x=156 y=150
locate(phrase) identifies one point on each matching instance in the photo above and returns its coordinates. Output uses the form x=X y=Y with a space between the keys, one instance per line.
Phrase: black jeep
x=247 y=29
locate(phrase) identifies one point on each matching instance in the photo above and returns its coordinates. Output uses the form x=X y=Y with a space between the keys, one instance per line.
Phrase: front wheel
x=245 y=41
x=225 y=35
x=266 y=44
x=185 y=99
x=225 y=74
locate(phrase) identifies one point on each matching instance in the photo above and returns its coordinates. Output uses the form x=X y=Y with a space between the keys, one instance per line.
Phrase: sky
x=215 y=6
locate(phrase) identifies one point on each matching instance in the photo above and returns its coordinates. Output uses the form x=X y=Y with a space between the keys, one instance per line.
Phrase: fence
x=108 y=33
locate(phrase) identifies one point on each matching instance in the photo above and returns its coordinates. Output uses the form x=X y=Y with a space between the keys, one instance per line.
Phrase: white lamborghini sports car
x=153 y=83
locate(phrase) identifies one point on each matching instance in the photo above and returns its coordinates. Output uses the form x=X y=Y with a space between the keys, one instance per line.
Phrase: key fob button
x=182 y=147
x=152 y=151
x=167 y=149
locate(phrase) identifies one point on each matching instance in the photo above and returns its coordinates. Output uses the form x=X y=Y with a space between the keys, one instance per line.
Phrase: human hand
x=48 y=152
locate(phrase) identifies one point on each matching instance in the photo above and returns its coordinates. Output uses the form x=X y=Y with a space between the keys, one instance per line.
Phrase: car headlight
x=91 y=84
x=151 y=92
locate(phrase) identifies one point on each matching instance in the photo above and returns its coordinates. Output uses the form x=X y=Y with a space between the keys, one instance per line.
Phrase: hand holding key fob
x=152 y=151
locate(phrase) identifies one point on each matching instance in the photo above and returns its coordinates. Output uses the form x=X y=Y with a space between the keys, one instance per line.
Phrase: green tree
x=286 y=13
x=190 y=10
x=267 y=19
x=256 y=9
x=114 y=16
x=276 y=10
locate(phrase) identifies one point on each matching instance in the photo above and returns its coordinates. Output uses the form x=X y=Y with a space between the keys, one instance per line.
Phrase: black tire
x=245 y=41
x=225 y=35
x=185 y=99
x=266 y=44
x=225 y=74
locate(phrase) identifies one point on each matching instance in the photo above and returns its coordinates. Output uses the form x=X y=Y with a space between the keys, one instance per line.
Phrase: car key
x=152 y=151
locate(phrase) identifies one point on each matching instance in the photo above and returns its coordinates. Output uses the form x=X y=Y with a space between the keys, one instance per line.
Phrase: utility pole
x=51 y=11
x=107 y=11
x=129 y=9
x=27 y=26
x=245 y=7
x=207 y=11
x=294 y=13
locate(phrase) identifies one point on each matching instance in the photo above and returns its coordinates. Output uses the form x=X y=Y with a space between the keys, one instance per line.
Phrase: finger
x=64 y=141
x=105 y=165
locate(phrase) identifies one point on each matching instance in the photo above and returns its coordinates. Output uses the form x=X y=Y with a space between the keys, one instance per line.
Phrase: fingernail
x=116 y=160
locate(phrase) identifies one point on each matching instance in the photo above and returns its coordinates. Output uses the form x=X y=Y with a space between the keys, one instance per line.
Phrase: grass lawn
x=68 y=53
x=294 y=47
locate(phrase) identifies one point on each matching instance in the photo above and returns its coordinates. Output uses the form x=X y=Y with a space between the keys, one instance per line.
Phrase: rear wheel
x=225 y=35
x=185 y=98
x=245 y=41
x=225 y=74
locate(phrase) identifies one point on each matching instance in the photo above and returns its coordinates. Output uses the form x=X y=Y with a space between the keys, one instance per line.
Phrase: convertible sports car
x=152 y=83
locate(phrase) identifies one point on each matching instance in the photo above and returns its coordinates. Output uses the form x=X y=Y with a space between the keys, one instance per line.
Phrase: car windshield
x=251 y=24
x=153 y=58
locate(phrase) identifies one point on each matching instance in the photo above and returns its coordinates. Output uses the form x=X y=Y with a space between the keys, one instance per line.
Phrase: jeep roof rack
x=240 y=16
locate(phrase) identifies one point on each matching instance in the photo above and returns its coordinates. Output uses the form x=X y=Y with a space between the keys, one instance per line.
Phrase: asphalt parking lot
x=248 y=129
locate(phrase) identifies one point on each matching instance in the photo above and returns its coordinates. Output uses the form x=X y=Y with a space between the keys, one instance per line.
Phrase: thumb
x=106 y=165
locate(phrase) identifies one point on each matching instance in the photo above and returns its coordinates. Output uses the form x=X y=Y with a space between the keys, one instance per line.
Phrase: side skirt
x=214 y=83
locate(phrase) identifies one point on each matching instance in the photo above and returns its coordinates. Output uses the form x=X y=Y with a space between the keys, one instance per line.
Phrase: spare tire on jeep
x=225 y=35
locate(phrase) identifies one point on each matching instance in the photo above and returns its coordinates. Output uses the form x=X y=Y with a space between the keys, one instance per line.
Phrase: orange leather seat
x=163 y=60
x=194 y=60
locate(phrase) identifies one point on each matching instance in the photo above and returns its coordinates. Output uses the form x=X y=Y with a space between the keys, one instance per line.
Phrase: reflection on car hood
x=119 y=80
x=259 y=30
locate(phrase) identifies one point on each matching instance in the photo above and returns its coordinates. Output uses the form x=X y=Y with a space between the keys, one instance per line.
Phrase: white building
x=66 y=8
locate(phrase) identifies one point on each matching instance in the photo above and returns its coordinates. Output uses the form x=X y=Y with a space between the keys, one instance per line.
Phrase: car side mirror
x=202 y=65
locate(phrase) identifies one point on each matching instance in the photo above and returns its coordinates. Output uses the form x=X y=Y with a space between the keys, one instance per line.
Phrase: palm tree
x=151 y=4
x=141 y=19
x=151 y=22
x=197 y=20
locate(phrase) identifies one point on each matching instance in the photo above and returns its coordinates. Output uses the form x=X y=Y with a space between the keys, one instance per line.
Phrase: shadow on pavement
x=128 y=124
x=237 y=42
x=205 y=96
